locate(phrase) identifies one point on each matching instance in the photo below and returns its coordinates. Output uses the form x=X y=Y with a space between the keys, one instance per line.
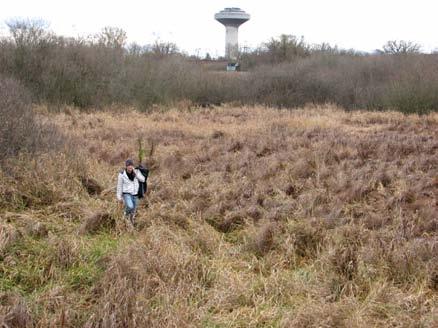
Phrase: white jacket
x=125 y=185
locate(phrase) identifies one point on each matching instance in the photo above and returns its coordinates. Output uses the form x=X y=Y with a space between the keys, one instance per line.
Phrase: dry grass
x=254 y=217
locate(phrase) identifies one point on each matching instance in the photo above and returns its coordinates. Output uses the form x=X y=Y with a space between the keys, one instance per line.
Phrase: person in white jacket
x=127 y=189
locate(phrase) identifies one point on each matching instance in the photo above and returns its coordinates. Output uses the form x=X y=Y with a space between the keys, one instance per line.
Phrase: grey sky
x=362 y=25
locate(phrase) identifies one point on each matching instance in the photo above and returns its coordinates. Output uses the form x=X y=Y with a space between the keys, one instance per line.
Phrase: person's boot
x=127 y=217
x=132 y=218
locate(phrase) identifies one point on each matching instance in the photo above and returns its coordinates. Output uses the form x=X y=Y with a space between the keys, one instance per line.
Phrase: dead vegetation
x=254 y=217
x=97 y=221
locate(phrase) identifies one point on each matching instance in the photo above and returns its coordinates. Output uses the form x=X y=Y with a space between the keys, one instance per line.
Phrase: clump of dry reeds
x=14 y=311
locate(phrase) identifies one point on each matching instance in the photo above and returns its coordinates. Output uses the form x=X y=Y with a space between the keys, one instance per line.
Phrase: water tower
x=232 y=18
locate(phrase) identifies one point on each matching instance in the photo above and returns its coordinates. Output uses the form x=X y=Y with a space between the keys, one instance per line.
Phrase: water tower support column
x=232 y=42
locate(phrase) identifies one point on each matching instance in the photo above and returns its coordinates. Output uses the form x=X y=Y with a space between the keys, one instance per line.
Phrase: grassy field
x=255 y=217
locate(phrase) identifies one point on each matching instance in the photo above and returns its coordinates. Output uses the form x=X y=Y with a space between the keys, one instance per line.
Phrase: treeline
x=102 y=70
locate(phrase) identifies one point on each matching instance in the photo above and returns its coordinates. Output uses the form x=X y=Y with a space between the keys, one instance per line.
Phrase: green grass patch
x=26 y=266
x=31 y=264
x=85 y=272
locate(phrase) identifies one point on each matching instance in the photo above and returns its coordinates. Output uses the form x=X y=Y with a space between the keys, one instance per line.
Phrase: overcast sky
x=362 y=25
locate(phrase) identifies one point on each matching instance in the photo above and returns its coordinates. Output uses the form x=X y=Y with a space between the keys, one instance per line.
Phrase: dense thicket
x=20 y=130
x=285 y=72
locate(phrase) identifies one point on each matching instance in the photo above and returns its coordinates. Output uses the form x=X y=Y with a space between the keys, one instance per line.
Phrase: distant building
x=232 y=18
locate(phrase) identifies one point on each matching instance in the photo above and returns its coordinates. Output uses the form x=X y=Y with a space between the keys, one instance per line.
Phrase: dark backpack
x=143 y=186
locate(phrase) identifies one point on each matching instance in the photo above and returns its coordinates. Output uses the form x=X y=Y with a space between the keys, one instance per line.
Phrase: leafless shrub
x=395 y=47
x=20 y=131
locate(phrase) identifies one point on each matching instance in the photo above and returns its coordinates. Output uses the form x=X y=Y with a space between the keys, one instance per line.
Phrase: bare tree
x=28 y=32
x=286 y=47
x=112 y=37
x=162 y=49
x=135 y=49
x=324 y=48
x=395 y=47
